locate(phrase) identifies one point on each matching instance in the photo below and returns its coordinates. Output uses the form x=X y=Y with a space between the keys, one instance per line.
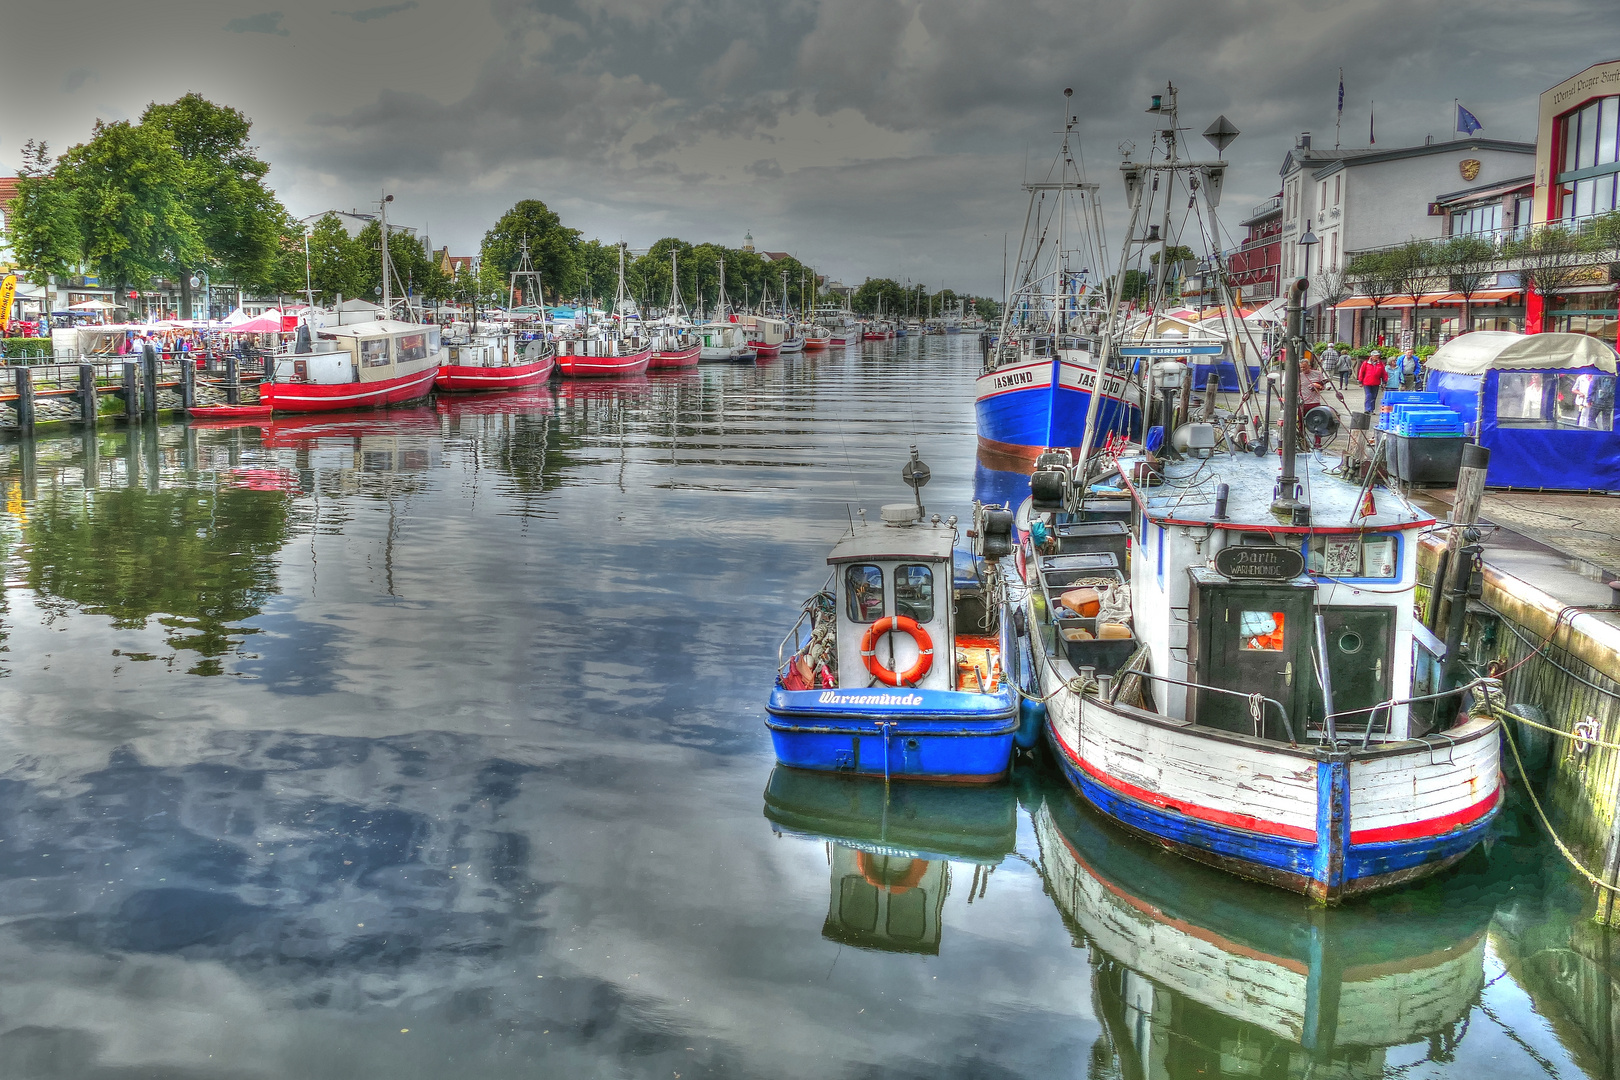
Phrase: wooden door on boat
x=1251 y=639
x=1359 y=642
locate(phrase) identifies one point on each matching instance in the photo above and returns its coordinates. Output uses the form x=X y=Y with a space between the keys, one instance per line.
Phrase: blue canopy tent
x=1543 y=404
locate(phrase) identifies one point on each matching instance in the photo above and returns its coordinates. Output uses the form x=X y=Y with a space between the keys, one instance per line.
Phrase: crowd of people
x=1375 y=374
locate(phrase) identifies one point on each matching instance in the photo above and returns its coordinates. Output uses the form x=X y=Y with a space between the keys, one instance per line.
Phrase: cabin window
x=864 y=586
x=914 y=592
x=1584 y=401
x=412 y=347
x=433 y=339
x=1353 y=555
x=1547 y=400
x=1262 y=631
x=373 y=352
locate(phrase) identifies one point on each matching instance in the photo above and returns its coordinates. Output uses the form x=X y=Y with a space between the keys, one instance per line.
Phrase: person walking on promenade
x=1334 y=363
x=1409 y=368
x=1371 y=377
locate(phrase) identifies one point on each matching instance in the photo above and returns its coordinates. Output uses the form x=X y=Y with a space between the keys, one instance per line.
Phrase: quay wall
x=1565 y=662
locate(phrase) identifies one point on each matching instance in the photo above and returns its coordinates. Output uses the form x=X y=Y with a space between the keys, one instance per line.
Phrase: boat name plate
x=1259 y=562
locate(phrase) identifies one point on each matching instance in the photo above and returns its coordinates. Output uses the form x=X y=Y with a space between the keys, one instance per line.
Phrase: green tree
x=130 y=186
x=872 y=290
x=336 y=262
x=45 y=232
x=596 y=272
x=552 y=246
x=240 y=221
x=1467 y=261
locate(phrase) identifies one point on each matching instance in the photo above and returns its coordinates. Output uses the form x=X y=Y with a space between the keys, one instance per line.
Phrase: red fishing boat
x=817 y=337
x=362 y=366
x=505 y=363
x=766 y=336
x=674 y=342
x=603 y=358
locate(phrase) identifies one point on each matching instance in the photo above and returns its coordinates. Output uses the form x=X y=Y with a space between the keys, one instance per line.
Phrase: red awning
x=1434 y=299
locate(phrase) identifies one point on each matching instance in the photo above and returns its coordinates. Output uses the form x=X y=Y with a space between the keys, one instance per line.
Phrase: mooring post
x=1470 y=494
x=89 y=403
x=92 y=459
x=132 y=451
x=149 y=366
x=188 y=383
x=1212 y=387
x=25 y=399
x=30 y=468
x=233 y=389
x=132 y=393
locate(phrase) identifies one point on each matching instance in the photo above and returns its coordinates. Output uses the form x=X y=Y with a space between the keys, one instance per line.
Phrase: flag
x=1341 y=91
x=1467 y=122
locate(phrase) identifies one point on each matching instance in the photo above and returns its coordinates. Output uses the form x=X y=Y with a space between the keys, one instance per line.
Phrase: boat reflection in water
x=1200 y=974
x=890 y=849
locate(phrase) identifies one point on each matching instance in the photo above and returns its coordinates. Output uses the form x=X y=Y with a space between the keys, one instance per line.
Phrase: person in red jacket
x=1371 y=377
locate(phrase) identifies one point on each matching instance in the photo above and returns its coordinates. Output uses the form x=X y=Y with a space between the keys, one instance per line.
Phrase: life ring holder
x=890 y=624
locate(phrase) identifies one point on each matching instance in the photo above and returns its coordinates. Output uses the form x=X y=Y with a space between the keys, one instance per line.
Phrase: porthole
x=1349 y=642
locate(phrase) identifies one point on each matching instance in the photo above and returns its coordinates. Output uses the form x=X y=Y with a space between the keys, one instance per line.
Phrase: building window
x=1335 y=264
x=1478 y=219
x=1521 y=211
x=1336 y=186
x=1591 y=140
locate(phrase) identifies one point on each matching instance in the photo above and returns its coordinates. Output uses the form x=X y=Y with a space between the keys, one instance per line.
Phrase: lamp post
x=200 y=278
x=1307 y=242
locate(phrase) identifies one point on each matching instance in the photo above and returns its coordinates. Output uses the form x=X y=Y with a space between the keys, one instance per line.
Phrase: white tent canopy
x=1486 y=350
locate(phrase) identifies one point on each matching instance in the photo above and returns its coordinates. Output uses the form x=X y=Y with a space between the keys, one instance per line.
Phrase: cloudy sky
x=869 y=137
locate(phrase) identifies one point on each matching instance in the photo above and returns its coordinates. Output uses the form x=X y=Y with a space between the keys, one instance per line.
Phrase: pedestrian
x=1393 y=373
x=1335 y=363
x=1409 y=367
x=1371 y=377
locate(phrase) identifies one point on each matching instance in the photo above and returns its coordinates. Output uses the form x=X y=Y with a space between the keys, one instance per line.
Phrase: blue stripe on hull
x=1265 y=853
x=1031 y=418
x=970 y=756
x=1363 y=864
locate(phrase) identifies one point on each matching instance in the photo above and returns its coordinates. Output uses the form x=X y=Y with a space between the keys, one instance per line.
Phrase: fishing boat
x=890 y=847
x=891 y=670
x=500 y=362
x=793 y=342
x=765 y=336
x=611 y=350
x=725 y=342
x=358 y=366
x=1225 y=645
x=817 y=337
x=1199 y=974
x=674 y=343
x=1038 y=377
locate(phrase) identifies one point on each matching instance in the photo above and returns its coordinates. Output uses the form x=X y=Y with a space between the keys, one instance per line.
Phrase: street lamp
x=1307 y=242
x=201 y=278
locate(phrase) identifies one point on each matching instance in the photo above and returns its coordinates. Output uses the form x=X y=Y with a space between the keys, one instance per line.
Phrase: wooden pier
x=131 y=387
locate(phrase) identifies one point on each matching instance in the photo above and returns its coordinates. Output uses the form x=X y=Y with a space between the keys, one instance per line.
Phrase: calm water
x=430 y=743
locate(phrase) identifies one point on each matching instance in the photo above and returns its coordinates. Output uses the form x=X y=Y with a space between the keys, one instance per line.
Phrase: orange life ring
x=889 y=625
x=884 y=877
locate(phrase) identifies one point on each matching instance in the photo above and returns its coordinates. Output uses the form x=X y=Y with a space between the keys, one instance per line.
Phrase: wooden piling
x=89 y=401
x=149 y=367
x=25 y=399
x=132 y=393
x=188 y=383
x=233 y=385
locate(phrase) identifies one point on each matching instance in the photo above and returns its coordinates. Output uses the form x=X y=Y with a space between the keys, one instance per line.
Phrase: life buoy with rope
x=894 y=624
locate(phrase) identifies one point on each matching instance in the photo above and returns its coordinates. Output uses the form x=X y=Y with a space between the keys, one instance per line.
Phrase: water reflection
x=890 y=847
x=1198 y=974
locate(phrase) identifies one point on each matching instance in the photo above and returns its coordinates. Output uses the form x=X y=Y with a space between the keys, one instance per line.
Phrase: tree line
x=182 y=192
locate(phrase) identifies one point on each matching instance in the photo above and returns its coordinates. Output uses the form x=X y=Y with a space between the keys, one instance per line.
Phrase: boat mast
x=675 y=304
x=387 y=267
x=722 y=306
x=621 y=300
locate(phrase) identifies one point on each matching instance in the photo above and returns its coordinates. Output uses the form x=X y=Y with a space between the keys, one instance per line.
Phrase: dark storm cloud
x=367 y=14
x=268 y=22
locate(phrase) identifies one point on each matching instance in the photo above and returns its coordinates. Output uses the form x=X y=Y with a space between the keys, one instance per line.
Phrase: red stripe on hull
x=817 y=342
x=1016 y=454
x=315 y=397
x=1192 y=810
x=1420 y=830
x=604 y=367
x=461 y=378
x=683 y=358
x=763 y=350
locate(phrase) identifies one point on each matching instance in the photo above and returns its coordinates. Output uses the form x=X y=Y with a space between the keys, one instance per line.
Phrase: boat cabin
x=903 y=569
x=359 y=353
x=769 y=331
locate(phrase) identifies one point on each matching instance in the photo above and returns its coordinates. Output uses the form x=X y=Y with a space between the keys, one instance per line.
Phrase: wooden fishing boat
x=889 y=672
x=674 y=342
x=602 y=358
x=502 y=363
x=817 y=338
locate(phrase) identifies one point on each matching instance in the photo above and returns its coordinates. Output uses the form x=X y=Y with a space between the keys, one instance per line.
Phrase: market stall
x=1543 y=404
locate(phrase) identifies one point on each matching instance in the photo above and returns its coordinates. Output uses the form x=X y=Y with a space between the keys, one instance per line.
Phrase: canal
x=431 y=743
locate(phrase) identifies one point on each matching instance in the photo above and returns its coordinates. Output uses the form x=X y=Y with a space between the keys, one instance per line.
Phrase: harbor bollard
x=88 y=402
x=233 y=389
x=25 y=399
x=132 y=393
x=149 y=368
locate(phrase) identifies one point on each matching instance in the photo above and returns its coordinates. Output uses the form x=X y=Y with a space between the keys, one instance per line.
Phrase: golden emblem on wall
x=1469 y=167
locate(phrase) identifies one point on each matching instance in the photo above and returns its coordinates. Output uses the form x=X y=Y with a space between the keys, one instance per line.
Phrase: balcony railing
x=1273 y=203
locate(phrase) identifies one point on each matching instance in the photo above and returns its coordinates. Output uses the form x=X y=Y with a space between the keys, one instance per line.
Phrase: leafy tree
x=1550 y=259
x=1373 y=275
x=336 y=262
x=552 y=247
x=1134 y=287
x=130 y=189
x=872 y=290
x=1467 y=261
x=415 y=273
x=240 y=221
x=1411 y=267
x=45 y=231
x=1332 y=289
x=596 y=272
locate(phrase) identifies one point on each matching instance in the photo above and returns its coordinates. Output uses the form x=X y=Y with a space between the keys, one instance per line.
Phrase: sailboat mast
x=387 y=267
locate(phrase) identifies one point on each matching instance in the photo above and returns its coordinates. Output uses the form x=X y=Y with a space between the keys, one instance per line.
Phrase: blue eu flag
x=1467 y=122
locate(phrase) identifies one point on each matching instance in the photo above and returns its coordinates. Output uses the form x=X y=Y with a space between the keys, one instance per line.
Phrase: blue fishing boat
x=892 y=670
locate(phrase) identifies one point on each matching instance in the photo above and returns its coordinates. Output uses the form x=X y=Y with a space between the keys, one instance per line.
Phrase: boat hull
x=229 y=412
x=1329 y=826
x=1020 y=414
x=461 y=378
x=332 y=397
x=793 y=345
x=938 y=735
x=680 y=358
x=765 y=351
x=814 y=343
x=604 y=367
